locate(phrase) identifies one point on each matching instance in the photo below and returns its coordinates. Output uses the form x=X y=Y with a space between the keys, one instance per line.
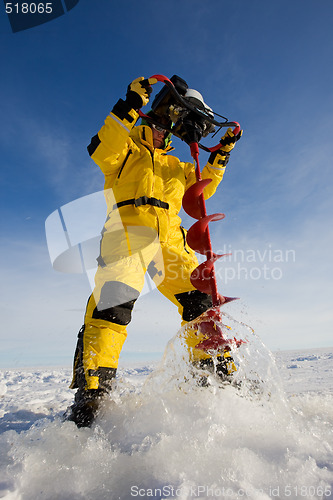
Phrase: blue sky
x=265 y=64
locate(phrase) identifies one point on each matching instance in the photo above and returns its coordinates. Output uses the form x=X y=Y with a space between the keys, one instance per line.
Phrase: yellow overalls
x=144 y=188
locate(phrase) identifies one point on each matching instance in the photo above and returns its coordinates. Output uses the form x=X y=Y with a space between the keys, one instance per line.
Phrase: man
x=144 y=187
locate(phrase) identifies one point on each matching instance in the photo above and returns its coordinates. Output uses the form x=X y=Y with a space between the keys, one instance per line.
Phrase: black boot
x=87 y=402
x=85 y=408
x=224 y=367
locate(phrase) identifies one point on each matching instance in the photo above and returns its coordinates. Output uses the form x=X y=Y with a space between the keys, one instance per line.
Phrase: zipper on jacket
x=129 y=152
x=151 y=152
x=153 y=162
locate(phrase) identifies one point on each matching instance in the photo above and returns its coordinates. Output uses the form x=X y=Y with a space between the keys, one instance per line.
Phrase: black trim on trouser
x=143 y=200
x=105 y=376
x=95 y=142
x=79 y=380
x=116 y=303
x=194 y=303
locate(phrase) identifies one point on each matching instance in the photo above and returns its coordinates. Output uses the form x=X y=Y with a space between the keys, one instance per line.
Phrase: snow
x=161 y=436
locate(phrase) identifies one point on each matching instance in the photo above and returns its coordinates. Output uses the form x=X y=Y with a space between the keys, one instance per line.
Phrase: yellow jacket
x=133 y=168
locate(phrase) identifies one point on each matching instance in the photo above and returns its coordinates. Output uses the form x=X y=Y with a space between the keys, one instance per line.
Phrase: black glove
x=138 y=92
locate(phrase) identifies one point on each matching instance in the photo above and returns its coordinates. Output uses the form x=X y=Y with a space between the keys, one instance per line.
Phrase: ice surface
x=160 y=436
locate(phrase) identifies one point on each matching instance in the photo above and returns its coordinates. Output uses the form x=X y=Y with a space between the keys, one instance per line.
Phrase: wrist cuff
x=219 y=158
x=124 y=111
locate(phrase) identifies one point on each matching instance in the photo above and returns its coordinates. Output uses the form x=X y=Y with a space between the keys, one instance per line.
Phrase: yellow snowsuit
x=144 y=188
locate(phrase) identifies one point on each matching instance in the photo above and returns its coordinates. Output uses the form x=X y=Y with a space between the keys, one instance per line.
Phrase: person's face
x=158 y=136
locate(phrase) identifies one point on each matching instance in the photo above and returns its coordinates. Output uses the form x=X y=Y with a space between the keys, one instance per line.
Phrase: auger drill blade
x=201 y=277
x=214 y=337
x=191 y=199
x=197 y=237
x=213 y=343
x=225 y=300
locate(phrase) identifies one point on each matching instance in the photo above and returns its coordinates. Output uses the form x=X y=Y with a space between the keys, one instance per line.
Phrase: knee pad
x=116 y=303
x=194 y=303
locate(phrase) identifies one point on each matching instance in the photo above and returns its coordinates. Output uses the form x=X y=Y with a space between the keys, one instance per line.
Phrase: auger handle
x=162 y=78
x=158 y=78
x=218 y=146
x=237 y=129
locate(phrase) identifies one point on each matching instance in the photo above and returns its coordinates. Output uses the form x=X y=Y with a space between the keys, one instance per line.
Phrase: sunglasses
x=158 y=128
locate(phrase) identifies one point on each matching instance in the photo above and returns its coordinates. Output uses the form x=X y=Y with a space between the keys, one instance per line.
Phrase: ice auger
x=192 y=120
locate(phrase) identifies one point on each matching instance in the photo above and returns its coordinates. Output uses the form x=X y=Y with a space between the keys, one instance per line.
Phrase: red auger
x=203 y=278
